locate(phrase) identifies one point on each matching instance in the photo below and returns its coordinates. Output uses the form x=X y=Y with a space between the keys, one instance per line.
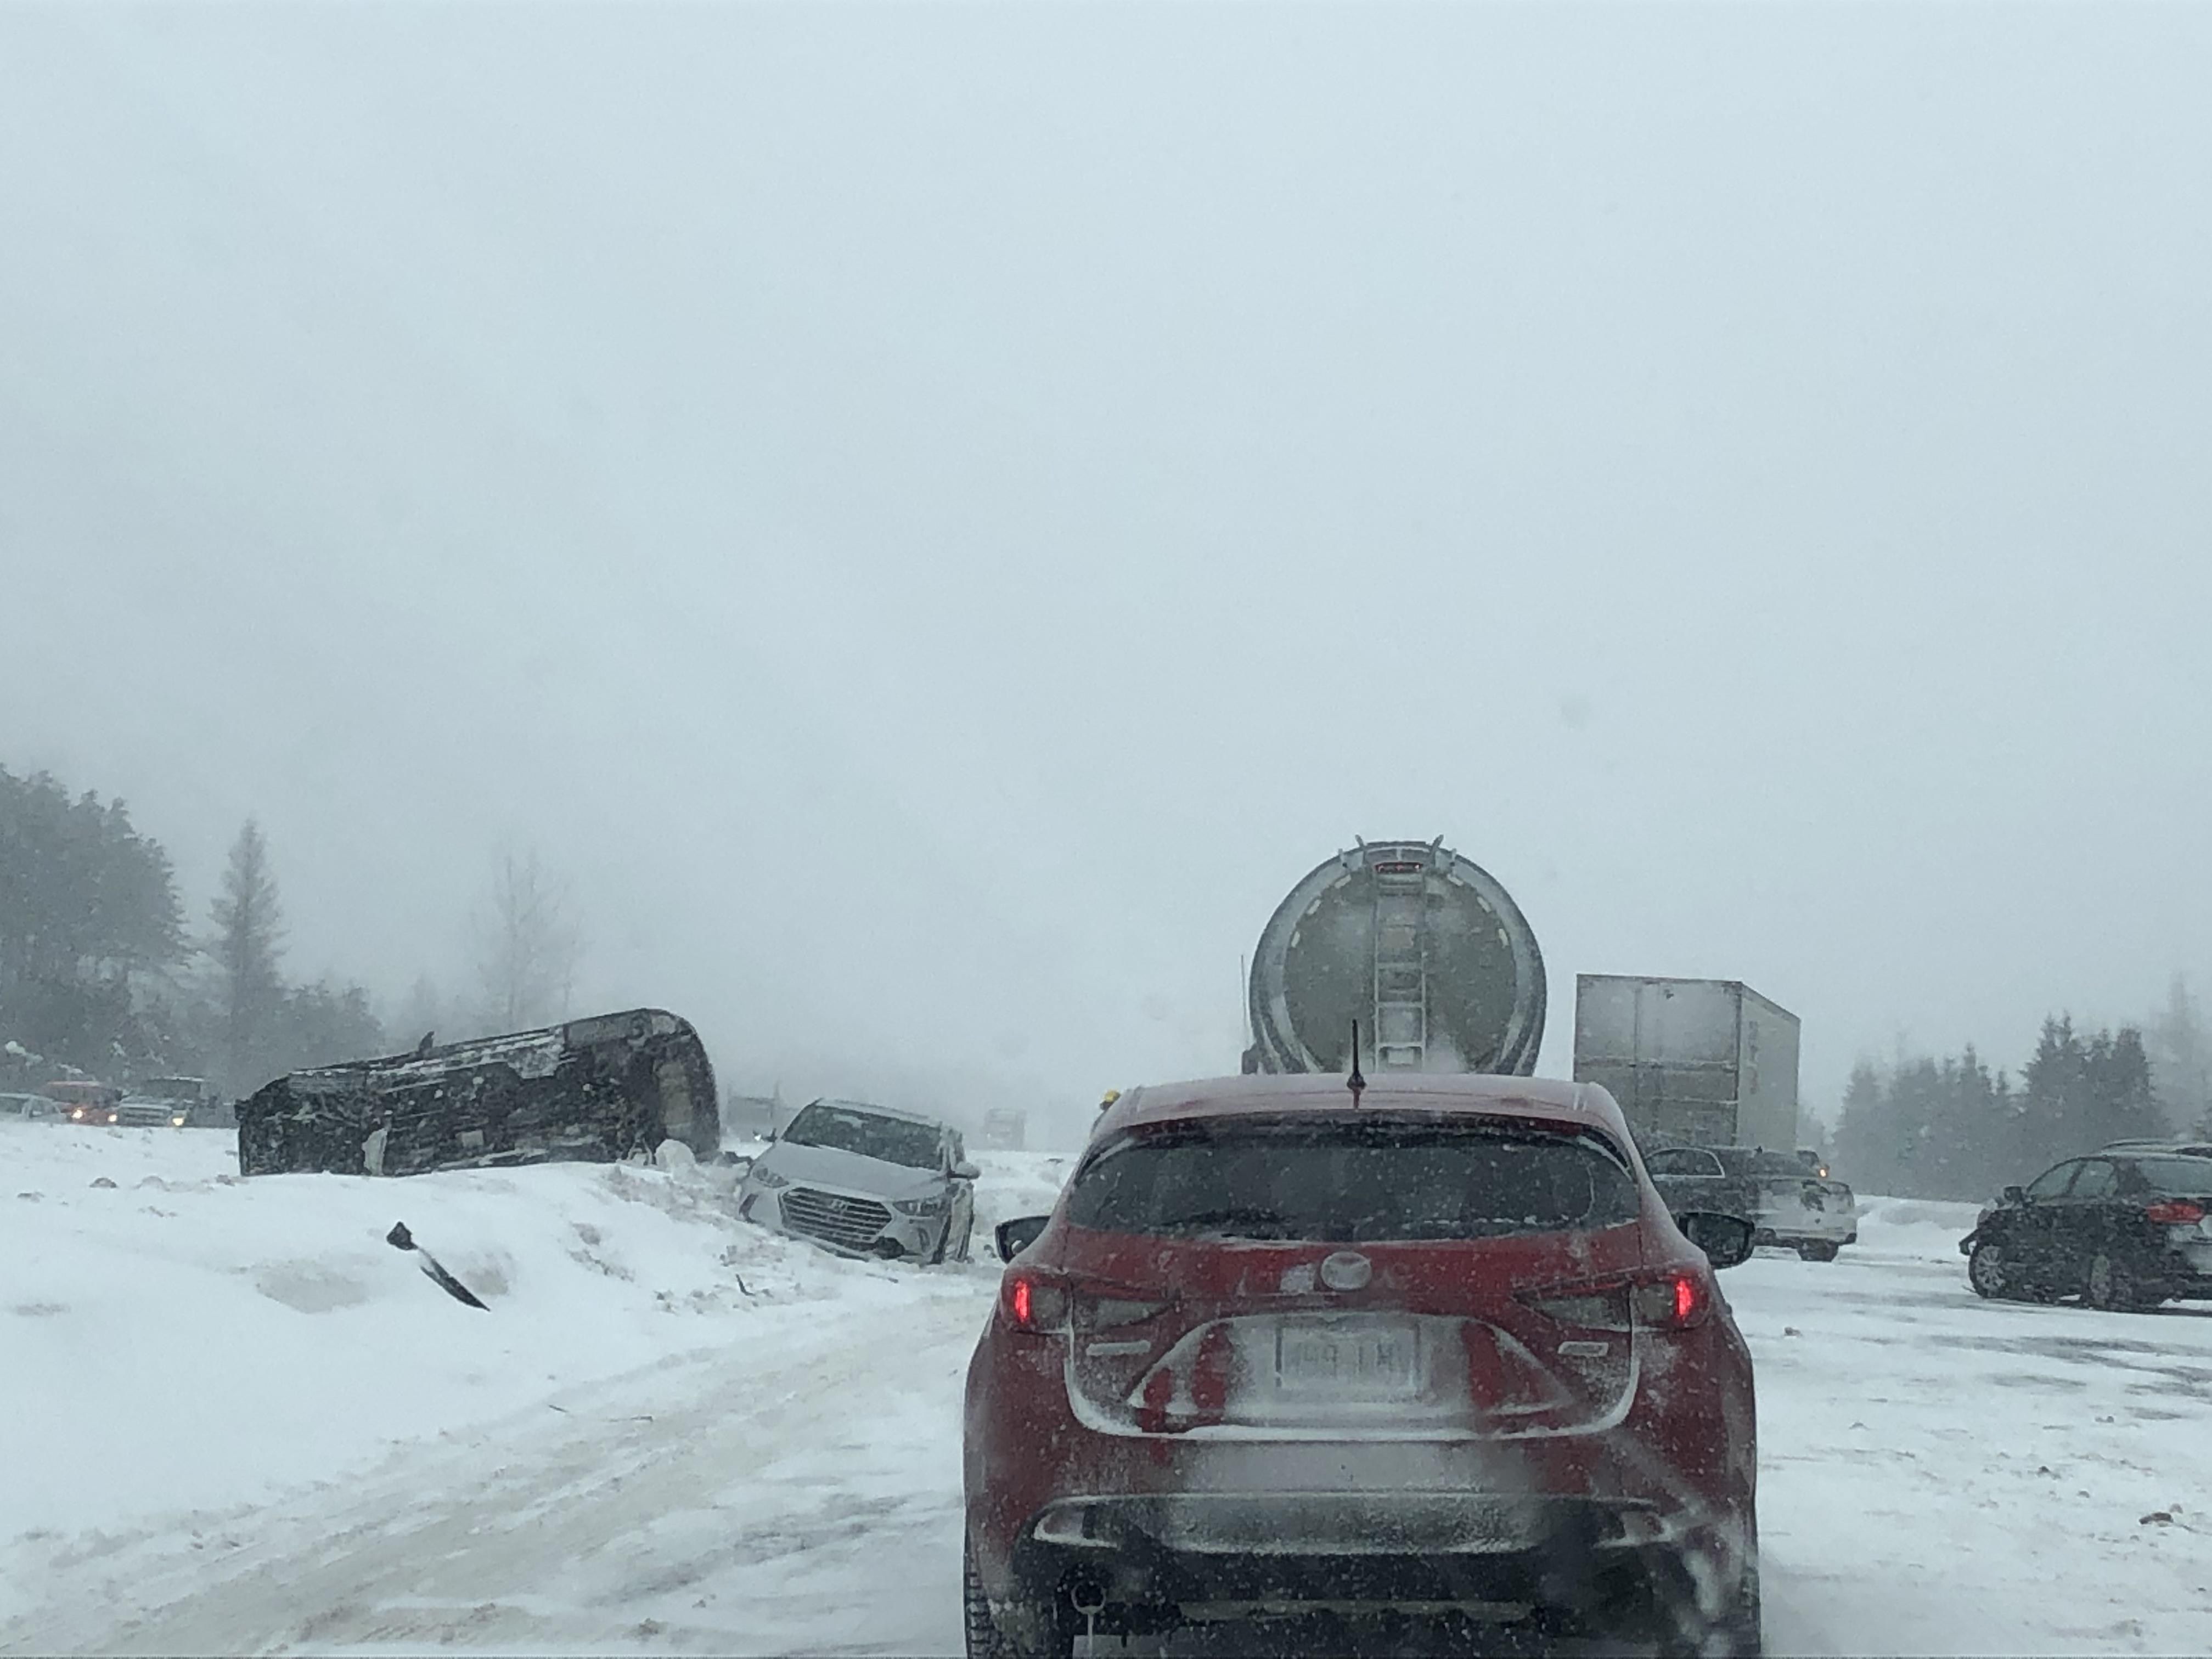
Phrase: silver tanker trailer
x=1422 y=947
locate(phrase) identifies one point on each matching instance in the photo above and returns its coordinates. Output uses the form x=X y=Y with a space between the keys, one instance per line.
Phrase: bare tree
x=248 y=937
x=526 y=945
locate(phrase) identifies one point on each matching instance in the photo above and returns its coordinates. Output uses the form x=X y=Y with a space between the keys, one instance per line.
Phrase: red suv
x=1289 y=1350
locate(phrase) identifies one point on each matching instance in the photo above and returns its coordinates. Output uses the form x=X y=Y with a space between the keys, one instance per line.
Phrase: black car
x=2119 y=1228
x=1786 y=1203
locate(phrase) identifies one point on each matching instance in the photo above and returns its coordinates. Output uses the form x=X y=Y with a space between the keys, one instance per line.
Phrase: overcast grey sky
x=935 y=516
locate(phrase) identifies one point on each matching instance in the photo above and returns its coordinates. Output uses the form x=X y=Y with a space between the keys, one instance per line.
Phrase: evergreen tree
x=1867 y=1139
x=2181 y=1059
x=2123 y=1104
x=2057 y=1118
x=321 y=1025
x=248 y=937
x=88 y=908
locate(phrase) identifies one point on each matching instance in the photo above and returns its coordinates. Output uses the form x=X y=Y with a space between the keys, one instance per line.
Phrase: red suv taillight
x=2175 y=1213
x=1041 y=1303
x=1034 y=1302
x=1676 y=1299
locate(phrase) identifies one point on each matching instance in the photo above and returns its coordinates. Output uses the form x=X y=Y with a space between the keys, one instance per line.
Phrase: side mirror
x=1725 y=1239
x=1016 y=1235
x=963 y=1170
x=737 y=1163
x=2016 y=1195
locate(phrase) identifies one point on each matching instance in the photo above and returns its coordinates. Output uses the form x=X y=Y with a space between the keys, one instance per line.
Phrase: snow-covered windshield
x=853 y=1129
x=1350 y=1181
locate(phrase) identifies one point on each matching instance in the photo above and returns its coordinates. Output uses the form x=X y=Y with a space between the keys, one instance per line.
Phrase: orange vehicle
x=84 y=1100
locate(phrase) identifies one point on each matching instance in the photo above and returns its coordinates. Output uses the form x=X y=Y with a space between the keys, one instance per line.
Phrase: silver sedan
x=866 y=1180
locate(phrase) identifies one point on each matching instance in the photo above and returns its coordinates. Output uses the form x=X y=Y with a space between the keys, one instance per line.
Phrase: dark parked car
x=1283 y=1353
x=2119 y=1230
x=1786 y=1201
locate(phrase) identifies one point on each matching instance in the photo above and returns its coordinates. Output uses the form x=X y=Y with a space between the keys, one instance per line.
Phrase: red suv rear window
x=1350 y=1181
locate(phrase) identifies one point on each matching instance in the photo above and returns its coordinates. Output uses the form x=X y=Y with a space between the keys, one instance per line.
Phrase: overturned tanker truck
x=593 y=1091
x=1421 y=946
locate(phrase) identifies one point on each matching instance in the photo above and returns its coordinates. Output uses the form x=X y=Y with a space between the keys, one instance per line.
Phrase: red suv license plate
x=1365 y=1358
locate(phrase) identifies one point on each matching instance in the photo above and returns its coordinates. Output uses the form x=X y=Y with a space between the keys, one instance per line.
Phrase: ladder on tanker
x=1401 y=958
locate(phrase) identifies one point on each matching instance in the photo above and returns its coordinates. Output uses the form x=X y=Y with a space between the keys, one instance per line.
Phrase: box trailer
x=1701 y=1062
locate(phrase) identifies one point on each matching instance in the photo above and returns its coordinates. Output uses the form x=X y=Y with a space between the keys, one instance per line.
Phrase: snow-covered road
x=237 y=1422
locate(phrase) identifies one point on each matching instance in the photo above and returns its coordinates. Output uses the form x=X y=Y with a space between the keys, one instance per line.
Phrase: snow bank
x=178 y=1338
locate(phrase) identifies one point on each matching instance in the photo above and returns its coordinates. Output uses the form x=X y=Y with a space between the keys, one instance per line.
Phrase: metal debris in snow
x=400 y=1238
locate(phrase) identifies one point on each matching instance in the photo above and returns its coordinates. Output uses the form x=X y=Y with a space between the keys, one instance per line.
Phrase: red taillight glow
x=1673 y=1303
x=1034 y=1302
x=1674 y=1300
x=2175 y=1213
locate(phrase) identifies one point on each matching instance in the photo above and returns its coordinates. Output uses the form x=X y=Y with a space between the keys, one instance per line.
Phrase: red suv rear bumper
x=1165 y=1528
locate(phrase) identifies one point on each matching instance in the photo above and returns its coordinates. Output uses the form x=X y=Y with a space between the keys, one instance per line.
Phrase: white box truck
x=1698 y=1062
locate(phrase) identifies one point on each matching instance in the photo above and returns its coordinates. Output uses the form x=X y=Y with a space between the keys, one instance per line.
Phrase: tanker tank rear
x=1425 y=949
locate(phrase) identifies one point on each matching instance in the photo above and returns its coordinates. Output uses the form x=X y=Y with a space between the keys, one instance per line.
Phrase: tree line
x=99 y=972
x=1954 y=1128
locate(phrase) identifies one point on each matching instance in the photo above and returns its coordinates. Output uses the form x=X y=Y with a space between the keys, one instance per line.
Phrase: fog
x=933 y=518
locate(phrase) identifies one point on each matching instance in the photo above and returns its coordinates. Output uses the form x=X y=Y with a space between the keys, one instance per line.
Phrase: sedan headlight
x=936 y=1204
x=768 y=1178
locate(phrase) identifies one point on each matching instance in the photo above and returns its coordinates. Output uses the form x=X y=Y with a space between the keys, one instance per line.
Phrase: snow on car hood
x=832 y=1168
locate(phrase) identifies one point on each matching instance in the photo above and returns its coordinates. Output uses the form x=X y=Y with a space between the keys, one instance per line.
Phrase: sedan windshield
x=853 y=1129
x=1349 y=1181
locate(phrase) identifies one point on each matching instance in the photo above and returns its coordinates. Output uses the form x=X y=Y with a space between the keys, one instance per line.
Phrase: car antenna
x=1355 y=1082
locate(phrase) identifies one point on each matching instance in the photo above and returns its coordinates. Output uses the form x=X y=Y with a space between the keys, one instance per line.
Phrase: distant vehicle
x=2123 y=1230
x=1005 y=1127
x=1438 y=1349
x=598 y=1089
x=1693 y=1062
x=31 y=1108
x=85 y=1102
x=1787 y=1204
x=141 y=1112
x=866 y=1179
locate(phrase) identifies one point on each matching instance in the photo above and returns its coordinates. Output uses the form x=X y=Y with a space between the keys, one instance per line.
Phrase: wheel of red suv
x=985 y=1639
x=1817 y=1250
